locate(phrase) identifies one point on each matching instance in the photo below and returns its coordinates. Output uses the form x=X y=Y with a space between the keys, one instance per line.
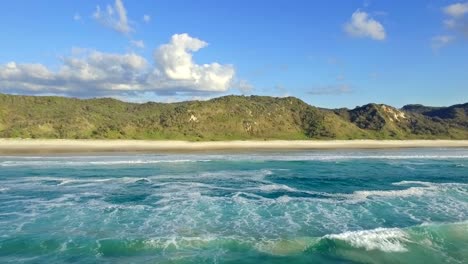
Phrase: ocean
x=334 y=206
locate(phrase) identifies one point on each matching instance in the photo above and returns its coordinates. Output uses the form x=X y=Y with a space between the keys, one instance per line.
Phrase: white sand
x=64 y=145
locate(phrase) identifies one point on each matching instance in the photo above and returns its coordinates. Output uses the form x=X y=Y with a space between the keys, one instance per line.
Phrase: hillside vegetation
x=224 y=118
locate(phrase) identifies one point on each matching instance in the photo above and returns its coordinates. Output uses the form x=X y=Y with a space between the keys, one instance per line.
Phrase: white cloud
x=441 y=41
x=455 y=22
x=114 y=17
x=93 y=73
x=77 y=17
x=176 y=64
x=455 y=13
x=456 y=10
x=147 y=18
x=361 y=25
x=138 y=43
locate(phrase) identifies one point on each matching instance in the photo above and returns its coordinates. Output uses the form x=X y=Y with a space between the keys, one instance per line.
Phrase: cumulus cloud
x=331 y=90
x=176 y=65
x=456 y=10
x=456 y=17
x=147 y=18
x=361 y=25
x=94 y=73
x=114 y=17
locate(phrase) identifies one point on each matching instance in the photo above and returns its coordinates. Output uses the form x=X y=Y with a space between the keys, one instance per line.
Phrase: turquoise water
x=355 y=206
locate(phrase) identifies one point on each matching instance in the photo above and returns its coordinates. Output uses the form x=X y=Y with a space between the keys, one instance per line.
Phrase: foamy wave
x=276 y=187
x=413 y=182
x=283 y=199
x=86 y=181
x=424 y=188
x=180 y=242
x=11 y=161
x=432 y=184
x=142 y=162
x=325 y=157
x=383 y=239
x=413 y=191
x=88 y=163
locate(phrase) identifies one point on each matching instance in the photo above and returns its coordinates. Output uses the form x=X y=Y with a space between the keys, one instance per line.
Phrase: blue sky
x=328 y=53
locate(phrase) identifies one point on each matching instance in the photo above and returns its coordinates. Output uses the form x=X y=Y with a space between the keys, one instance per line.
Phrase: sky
x=329 y=53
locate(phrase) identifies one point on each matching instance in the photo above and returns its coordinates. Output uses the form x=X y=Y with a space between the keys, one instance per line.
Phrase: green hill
x=224 y=118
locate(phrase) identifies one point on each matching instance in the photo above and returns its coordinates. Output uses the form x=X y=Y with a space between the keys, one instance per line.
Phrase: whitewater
x=333 y=206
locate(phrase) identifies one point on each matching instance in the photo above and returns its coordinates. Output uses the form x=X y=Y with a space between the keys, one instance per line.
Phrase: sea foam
x=384 y=239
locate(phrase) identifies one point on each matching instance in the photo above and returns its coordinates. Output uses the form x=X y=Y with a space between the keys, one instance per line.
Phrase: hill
x=223 y=118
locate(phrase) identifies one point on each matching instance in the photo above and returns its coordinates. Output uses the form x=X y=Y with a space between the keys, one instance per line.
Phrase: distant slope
x=224 y=118
x=453 y=114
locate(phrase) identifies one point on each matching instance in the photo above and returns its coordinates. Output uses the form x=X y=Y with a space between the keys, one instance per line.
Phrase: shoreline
x=24 y=146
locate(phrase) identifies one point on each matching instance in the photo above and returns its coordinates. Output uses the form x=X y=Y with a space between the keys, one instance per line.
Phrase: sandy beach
x=12 y=146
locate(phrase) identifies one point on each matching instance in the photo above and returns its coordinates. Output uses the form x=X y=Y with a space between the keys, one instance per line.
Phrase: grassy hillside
x=224 y=118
